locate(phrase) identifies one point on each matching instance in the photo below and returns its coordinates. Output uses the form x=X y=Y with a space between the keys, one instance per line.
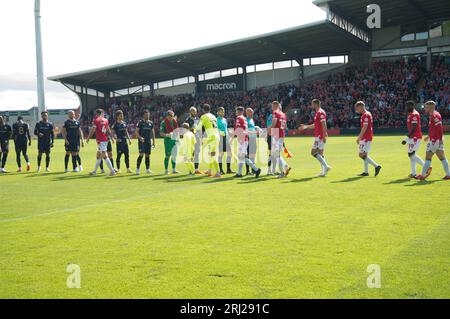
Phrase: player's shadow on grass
x=398 y=181
x=45 y=174
x=142 y=176
x=350 y=179
x=123 y=175
x=166 y=177
x=185 y=179
x=78 y=176
x=217 y=180
x=423 y=183
x=253 y=180
x=300 y=180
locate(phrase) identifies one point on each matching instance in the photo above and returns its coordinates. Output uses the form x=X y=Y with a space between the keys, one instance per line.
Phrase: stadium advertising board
x=398 y=52
x=225 y=84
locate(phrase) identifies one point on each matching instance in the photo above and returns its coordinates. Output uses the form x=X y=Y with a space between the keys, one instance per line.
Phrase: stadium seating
x=385 y=87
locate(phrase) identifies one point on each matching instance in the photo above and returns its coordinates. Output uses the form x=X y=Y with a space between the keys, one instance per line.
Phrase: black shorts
x=4 y=147
x=44 y=146
x=73 y=147
x=224 y=143
x=269 y=142
x=145 y=148
x=122 y=148
x=109 y=147
x=21 y=146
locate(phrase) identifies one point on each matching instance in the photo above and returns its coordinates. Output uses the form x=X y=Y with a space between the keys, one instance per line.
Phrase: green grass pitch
x=183 y=237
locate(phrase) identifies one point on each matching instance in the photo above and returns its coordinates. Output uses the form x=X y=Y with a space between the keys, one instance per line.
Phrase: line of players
x=435 y=139
x=217 y=139
x=22 y=139
x=189 y=138
x=216 y=132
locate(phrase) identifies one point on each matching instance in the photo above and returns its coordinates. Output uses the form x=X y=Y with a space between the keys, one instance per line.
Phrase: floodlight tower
x=39 y=64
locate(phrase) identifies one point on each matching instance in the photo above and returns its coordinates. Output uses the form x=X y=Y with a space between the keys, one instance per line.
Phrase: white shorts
x=413 y=144
x=102 y=146
x=436 y=146
x=242 y=148
x=364 y=146
x=318 y=144
x=277 y=144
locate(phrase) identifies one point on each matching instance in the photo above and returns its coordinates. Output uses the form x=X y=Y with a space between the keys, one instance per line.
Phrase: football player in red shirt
x=320 y=135
x=277 y=132
x=102 y=133
x=414 y=137
x=435 y=141
x=365 y=138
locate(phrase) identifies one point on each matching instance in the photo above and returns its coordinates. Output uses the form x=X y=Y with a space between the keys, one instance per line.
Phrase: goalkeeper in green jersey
x=168 y=125
x=209 y=122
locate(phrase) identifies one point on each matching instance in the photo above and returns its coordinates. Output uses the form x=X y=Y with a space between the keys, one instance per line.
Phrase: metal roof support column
x=196 y=77
x=244 y=78
x=106 y=96
x=84 y=106
x=302 y=69
x=83 y=102
x=85 y=95
x=152 y=89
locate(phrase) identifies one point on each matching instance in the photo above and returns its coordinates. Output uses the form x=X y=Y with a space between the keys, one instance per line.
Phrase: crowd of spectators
x=436 y=87
x=384 y=86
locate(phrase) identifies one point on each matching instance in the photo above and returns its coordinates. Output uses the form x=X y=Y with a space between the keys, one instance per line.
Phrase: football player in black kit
x=46 y=136
x=73 y=135
x=120 y=129
x=22 y=139
x=145 y=133
x=5 y=135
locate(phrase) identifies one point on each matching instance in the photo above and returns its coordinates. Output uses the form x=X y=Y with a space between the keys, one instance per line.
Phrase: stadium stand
x=338 y=60
x=436 y=86
x=385 y=86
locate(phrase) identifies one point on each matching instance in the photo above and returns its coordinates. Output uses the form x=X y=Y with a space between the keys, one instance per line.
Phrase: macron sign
x=225 y=84
x=221 y=86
